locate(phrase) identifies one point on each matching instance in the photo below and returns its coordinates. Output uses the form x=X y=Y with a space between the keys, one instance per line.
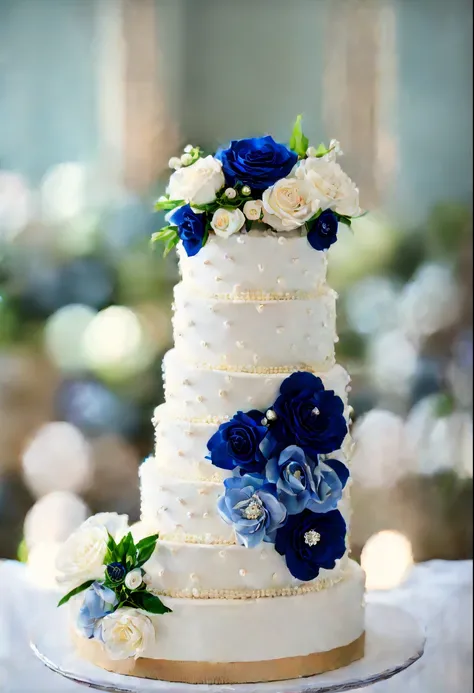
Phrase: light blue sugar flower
x=302 y=483
x=98 y=602
x=251 y=506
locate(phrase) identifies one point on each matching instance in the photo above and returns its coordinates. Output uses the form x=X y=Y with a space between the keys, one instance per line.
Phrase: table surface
x=438 y=594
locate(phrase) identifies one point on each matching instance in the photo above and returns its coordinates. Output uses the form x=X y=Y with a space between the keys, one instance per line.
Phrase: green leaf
x=75 y=591
x=322 y=150
x=164 y=234
x=166 y=205
x=111 y=553
x=248 y=224
x=298 y=142
x=126 y=548
x=148 y=602
x=145 y=549
x=170 y=244
x=344 y=220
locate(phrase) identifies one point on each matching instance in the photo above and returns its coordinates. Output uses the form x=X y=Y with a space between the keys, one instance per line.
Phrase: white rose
x=225 y=222
x=81 y=557
x=197 y=183
x=127 y=633
x=253 y=209
x=331 y=185
x=289 y=204
x=133 y=579
x=115 y=524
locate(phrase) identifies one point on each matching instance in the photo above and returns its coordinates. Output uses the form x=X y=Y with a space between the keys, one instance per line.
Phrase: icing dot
x=202 y=492
x=256 y=358
x=180 y=453
x=250 y=400
x=310 y=311
x=204 y=344
x=181 y=501
x=240 y=345
x=193 y=577
x=274 y=576
x=279 y=280
x=218 y=279
x=261 y=268
x=228 y=378
x=200 y=398
x=207 y=262
x=260 y=308
x=280 y=330
x=221 y=554
x=205 y=515
x=190 y=515
x=227 y=323
x=263 y=556
x=186 y=382
x=240 y=240
x=294 y=260
x=161 y=573
x=228 y=257
x=222 y=393
x=191 y=323
x=281 y=240
x=242 y=572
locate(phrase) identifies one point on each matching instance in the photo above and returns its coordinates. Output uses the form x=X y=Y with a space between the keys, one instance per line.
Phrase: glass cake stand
x=394 y=641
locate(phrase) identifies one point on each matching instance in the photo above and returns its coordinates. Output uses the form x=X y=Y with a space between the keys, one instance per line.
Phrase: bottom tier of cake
x=250 y=641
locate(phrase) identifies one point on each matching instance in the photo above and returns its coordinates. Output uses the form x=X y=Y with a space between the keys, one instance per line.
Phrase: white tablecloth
x=438 y=594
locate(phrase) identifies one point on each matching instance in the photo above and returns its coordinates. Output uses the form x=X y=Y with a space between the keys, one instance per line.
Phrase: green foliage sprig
x=131 y=556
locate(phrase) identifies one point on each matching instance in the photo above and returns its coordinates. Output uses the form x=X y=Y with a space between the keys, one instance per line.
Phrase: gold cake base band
x=225 y=672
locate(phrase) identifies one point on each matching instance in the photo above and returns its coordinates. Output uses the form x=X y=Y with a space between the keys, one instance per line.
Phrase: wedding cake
x=239 y=570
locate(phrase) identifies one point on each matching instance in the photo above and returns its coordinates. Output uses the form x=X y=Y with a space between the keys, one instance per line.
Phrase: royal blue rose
x=311 y=541
x=323 y=232
x=116 y=572
x=257 y=162
x=302 y=483
x=191 y=228
x=237 y=443
x=98 y=602
x=251 y=506
x=308 y=415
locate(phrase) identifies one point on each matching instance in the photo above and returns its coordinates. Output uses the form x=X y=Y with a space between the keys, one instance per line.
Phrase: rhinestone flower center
x=253 y=510
x=312 y=537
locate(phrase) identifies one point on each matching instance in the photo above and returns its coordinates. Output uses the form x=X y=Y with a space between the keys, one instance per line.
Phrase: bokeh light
x=16 y=204
x=115 y=343
x=392 y=362
x=53 y=518
x=58 y=458
x=63 y=336
x=386 y=558
x=381 y=455
x=63 y=192
x=371 y=305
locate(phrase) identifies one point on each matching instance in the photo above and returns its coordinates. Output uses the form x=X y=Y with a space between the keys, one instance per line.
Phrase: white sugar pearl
x=242 y=572
x=205 y=515
x=222 y=393
x=193 y=577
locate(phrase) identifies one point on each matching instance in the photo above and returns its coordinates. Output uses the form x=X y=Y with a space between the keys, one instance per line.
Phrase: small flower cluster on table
x=102 y=563
x=284 y=488
x=257 y=181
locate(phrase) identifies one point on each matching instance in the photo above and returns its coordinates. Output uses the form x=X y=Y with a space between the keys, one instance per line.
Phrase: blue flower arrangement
x=282 y=489
x=257 y=183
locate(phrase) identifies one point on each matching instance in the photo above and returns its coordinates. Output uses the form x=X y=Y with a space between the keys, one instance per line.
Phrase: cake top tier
x=258 y=185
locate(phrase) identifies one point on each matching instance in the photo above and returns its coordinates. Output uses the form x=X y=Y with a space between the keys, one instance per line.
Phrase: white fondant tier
x=233 y=571
x=258 y=262
x=193 y=393
x=181 y=446
x=230 y=630
x=244 y=334
x=186 y=511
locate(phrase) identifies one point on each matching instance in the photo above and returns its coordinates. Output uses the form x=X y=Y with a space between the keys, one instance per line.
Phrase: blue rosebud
x=237 y=443
x=251 y=506
x=116 y=572
x=301 y=483
x=258 y=162
x=98 y=602
x=307 y=415
x=191 y=228
x=311 y=541
x=323 y=231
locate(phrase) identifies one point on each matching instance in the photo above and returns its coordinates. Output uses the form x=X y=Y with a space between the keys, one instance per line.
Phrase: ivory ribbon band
x=224 y=672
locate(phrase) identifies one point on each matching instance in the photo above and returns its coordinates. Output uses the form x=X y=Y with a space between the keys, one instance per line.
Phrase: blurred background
x=95 y=96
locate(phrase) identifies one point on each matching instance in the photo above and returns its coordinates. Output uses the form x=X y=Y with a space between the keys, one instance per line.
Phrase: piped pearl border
x=195 y=593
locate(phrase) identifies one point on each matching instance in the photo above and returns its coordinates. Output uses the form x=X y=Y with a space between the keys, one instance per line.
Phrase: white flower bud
x=186 y=159
x=311 y=151
x=253 y=209
x=133 y=579
x=230 y=193
x=246 y=190
x=188 y=148
x=174 y=162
